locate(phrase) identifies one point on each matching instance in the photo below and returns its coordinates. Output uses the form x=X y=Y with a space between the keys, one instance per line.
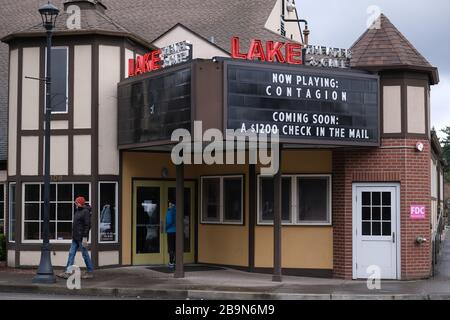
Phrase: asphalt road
x=31 y=296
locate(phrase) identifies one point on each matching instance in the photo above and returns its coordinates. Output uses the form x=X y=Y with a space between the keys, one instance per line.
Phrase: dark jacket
x=81 y=223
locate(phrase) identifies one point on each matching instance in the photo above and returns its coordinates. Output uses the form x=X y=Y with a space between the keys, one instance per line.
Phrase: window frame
x=9 y=211
x=116 y=213
x=3 y=202
x=294 y=220
x=67 y=79
x=67 y=241
x=221 y=220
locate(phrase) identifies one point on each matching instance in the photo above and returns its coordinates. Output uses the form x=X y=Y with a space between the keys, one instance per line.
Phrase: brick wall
x=396 y=161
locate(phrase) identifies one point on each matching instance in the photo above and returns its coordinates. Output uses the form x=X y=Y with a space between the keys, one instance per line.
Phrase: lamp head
x=49 y=13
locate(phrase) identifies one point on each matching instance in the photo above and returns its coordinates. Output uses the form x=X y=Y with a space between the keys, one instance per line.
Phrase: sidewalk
x=223 y=284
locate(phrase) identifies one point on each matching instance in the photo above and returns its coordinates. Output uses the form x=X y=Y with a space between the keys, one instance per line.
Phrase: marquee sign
x=159 y=59
x=302 y=104
x=152 y=107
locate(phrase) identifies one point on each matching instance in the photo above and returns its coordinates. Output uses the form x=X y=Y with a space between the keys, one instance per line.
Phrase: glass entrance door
x=150 y=203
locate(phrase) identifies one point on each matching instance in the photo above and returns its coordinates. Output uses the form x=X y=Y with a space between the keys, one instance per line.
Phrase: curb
x=184 y=294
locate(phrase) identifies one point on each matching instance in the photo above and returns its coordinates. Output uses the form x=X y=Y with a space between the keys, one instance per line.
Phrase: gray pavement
x=141 y=282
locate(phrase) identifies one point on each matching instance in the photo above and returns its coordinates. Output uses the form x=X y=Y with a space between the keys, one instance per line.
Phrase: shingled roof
x=93 y=20
x=220 y=19
x=384 y=47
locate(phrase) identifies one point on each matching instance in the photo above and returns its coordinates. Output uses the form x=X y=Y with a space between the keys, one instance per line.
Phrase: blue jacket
x=171 y=220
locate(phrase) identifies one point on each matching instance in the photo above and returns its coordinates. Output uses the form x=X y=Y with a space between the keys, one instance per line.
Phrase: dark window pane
x=81 y=190
x=108 y=215
x=286 y=199
x=366 y=228
x=266 y=194
x=148 y=206
x=2 y=208
x=32 y=211
x=313 y=200
x=366 y=213
x=64 y=231
x=376 y=213
x=12 y=212
x=211 y=199
x=147 y=239
x=52 y=211
x=59 y=80
x=232 y=199
x=386 y=198
x=65 y=211
x=148 y=220
x=267 y=199
x=31 y=230
x=386 y=213
x=386 y=228
x=52 y=230
x=366 y=198
x=376 y=228
x=376 y=198
x=65 y=192
x=52 y=192
x=32 y=192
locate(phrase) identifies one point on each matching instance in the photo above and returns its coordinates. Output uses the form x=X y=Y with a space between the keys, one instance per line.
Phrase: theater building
x=360 y=171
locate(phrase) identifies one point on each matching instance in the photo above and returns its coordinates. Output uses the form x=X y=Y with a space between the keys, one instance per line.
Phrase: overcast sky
x=426 y=24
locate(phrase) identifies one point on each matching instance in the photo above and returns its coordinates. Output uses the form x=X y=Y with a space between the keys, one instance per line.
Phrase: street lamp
x=49 y=13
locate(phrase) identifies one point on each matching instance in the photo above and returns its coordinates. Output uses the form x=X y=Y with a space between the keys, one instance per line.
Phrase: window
x=12 y=213
x=62 y=207
x=2 y=208
x=222 y=199
x=108 y=217
x=313 y=200
x=376 y=213
x=211 y=199
x=267 y=191
x=60 y=79
x=305 y=200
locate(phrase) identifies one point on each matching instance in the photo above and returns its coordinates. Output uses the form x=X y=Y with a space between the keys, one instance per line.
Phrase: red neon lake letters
x=149 y=62
x=270 y=52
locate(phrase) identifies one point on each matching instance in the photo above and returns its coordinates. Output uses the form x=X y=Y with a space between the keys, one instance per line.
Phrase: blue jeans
x=84 y=251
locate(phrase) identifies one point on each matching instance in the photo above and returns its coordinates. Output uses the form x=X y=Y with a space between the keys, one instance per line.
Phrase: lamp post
x=48 y=13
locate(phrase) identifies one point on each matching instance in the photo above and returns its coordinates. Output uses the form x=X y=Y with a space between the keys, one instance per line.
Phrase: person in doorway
x=171 y=232
x=80 y=232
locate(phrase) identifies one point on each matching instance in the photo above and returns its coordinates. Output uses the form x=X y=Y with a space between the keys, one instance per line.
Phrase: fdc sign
x=417 y=212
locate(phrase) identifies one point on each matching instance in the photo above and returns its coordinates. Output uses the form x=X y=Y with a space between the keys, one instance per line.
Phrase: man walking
x=80 y=232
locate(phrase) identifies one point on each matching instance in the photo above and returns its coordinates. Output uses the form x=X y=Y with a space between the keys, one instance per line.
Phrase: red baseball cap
x=80 y=201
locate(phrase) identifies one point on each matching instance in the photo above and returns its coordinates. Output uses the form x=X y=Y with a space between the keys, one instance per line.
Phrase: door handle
x=393 y=237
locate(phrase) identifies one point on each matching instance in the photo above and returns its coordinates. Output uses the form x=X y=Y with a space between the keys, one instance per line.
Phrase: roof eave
x=22 y=35
x=432 y=72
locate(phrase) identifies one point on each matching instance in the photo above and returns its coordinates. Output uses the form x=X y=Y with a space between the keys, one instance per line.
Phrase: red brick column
x=396 y=161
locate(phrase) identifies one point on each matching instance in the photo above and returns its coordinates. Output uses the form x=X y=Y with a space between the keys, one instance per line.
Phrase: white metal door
x=375 y=229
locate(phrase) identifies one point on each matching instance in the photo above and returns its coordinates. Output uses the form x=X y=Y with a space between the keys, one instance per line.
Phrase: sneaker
x=64 y=275
x=171 y=265
x=87 y=275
